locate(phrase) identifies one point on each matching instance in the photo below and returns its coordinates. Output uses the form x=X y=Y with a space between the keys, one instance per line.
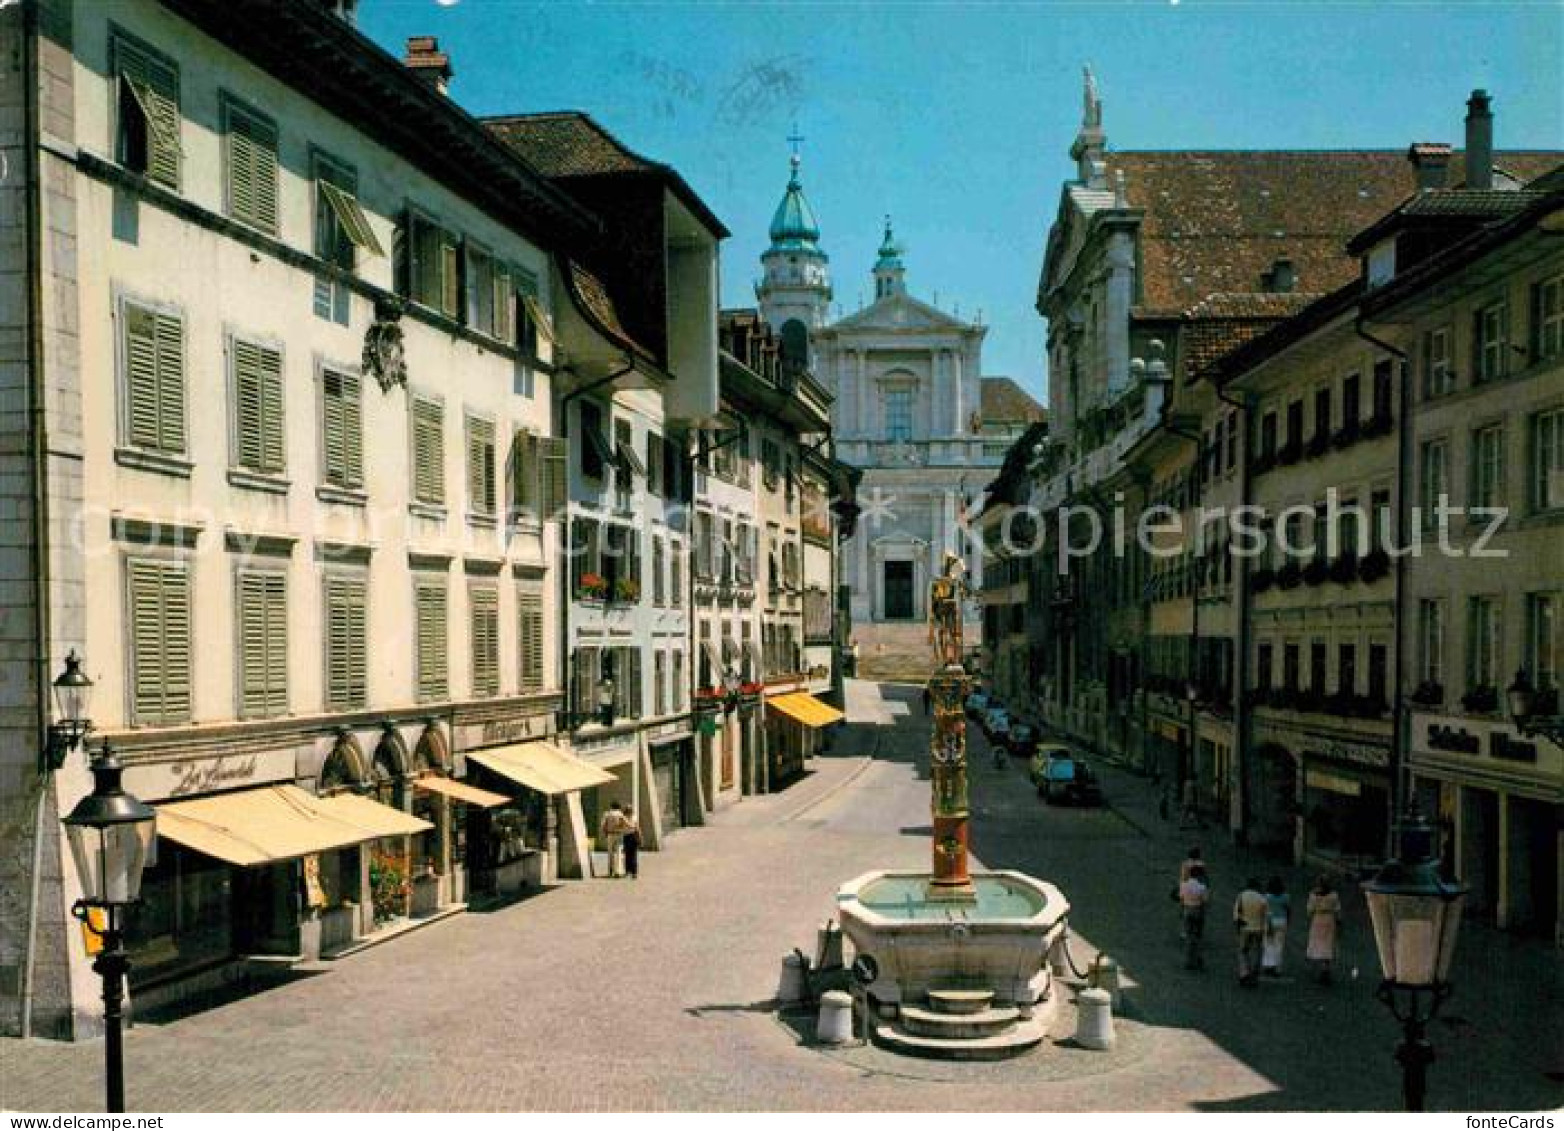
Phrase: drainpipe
x=1401 y=723
x=36 y=408
x=1241 y=646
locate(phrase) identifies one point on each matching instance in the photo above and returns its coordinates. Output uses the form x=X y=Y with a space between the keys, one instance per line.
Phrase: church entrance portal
x=898 y=591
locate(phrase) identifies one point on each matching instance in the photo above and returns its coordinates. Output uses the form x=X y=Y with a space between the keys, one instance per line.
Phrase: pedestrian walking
x=632 y=843
x=1278 y=913
x=1324 y=911
x=1249 y=915
x=1191 y=862
x=1193 y=895
x=611 y=834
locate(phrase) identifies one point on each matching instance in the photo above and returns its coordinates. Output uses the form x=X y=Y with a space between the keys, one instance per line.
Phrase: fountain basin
x=998 y=942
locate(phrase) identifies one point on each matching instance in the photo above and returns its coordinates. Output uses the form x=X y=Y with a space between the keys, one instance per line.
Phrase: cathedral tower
x=795 y=293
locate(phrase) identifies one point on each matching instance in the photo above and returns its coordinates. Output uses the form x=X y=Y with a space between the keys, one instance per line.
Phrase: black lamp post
x=1416 y=916
x=1529 y=707
x=72 y=696
x=111 y=836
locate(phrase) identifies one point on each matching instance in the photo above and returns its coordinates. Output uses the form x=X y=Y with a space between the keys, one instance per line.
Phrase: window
x=587 y=670
x=1431 y=642
x=676 y=692
x=260 y=435
x=428 y=452
x=158 y=595
x=346 y=643
x=1435 y=461
x=1322 y=415
x=529 y=635
x=429 y=622
x=1548 y=319
x=250 y=164
x=595 y=456
x=1268 y=436
x=1491 y=342
x=586 y=559
x=654 y=464
x=484 y=607
x=1542 y=635
x=430 y=265
x=659 y=596
x=1262 y=667
x=262 y=601
x=1347 y=669
x=341 y=227
x=770 y=460
x=675 y=573
x=703 y=544
x=627 y=465
x=530 y=322
x=342 y=430
x=147 y=111
x=1382 y=536
x=1547 y=460
x=154 y=380
x=485 y=290
x=1379 y=674
x=626 y=674
x=1438 y=379
x=1317 y=662
x=659 y=682
x=1295 y=427
x=480 y=469
x=1488 y=467
x=898 y=414
x=1351 y=408
x=1384 y=394
x=1290 y=672
x=1482 y=642
x=537 y=473
x=1232 y=440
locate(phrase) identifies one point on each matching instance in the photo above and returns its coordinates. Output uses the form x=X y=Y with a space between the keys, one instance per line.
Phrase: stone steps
x=969 y=1026
x=1018 y=1038
x=960 y=1001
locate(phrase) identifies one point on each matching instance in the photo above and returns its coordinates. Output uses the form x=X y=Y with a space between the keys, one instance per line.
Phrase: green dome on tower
x=793 y=225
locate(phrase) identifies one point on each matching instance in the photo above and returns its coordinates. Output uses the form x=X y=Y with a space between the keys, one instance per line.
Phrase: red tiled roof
x=597 y=305
x=1004 y=400
x=1223 y=322
x=1216 y=221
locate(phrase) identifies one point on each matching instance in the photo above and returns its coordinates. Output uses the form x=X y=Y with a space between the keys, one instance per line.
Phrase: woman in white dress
x=1324 y=910
x=1278 y=911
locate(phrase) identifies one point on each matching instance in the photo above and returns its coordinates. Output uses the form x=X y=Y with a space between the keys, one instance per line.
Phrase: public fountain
x=956 y=963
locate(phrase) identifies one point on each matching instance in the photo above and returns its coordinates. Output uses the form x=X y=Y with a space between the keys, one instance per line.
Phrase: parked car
x=1021 y=737
x=1063 y=778
x=977 y=703
x=996 y=721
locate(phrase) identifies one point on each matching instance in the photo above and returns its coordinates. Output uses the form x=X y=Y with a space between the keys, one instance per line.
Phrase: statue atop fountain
x=948 y=742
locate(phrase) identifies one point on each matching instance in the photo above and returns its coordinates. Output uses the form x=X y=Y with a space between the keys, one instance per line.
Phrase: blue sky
x=956 y=118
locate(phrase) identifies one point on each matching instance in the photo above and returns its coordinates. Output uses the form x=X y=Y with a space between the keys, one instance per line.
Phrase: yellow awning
x=541 y=766
x=461 y=791
x=278 y=822
x=806 y=709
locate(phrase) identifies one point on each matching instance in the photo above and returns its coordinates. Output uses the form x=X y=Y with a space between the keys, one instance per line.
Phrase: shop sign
x=512 y=730
x=1332 y=783
x=1502 y=746
x=192 y=777
x=1457 y=741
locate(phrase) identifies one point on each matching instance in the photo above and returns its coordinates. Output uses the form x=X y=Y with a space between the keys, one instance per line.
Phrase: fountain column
x=948 y=743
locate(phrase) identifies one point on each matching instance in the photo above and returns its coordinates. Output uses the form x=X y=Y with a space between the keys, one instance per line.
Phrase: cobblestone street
x=656 y=994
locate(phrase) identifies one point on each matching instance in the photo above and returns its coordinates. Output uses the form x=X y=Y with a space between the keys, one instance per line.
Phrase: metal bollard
x=835 y=1025
x=1094 y=1019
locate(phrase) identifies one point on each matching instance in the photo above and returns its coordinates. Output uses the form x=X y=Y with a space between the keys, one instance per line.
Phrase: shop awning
x=805 y=708
x=278 y=822
x=461 y=791
x=541 y=766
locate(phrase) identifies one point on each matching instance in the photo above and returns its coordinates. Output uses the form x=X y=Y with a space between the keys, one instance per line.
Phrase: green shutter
x=450 y=266
x=480 y=466
x=346 y=683
x=252 y=169
x=552 y=465
x=432 y=640
x=342 y=427
x=485 y=642
x=529 y=607
x=141 y=378
x=159 y=600
x=259 y=429
x=263 y=644
x=154 y=85
x=428 y=452
x=350 y=214
x=525 y=475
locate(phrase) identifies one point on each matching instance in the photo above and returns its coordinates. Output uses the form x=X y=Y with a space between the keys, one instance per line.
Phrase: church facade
x=910 y=412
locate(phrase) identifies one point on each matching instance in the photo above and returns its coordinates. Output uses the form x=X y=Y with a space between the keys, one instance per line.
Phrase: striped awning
x=805 y=708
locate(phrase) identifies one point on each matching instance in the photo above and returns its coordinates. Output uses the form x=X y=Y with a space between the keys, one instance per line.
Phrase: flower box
x=1375 y=565
x=592 y=587
x=1482 y=700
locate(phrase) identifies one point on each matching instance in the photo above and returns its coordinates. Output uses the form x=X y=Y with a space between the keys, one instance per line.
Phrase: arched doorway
x=390 y=861
x=431 y=757
x=343 y=770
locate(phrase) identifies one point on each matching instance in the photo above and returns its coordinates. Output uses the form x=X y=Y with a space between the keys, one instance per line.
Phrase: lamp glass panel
x=87 y=851
x=1415 y=927
x=1384 y=932
x=1454 y=909
x=71 y=699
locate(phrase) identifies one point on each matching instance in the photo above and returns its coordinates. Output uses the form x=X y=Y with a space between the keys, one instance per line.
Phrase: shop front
x=544 y=832
x=677 y=786
x=794 y=723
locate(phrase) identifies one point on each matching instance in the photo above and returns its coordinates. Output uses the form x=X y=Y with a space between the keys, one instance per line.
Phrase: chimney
x=1281 y=279
x=1430 y=164
x=1479 y=141
x=425 y=59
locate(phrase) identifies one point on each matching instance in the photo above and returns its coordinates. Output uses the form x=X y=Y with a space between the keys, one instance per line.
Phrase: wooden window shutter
x=485 y=642
x=260 y=436
x=159 y=600
x=252 y=169
x=142 y=384
x=428 y=452
x=263 y=644
x=526 y=478
x=553 y=472
x=431 y=633
x=346 y=644
x=450 y=275
x=480 y=466
x=343 y=427
x=154 y=85
x=529 y=608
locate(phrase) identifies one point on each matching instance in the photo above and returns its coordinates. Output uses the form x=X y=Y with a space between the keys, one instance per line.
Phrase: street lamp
x=1416 y=916
x=72 y=696
x=111 y=835
x=1527 y=707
